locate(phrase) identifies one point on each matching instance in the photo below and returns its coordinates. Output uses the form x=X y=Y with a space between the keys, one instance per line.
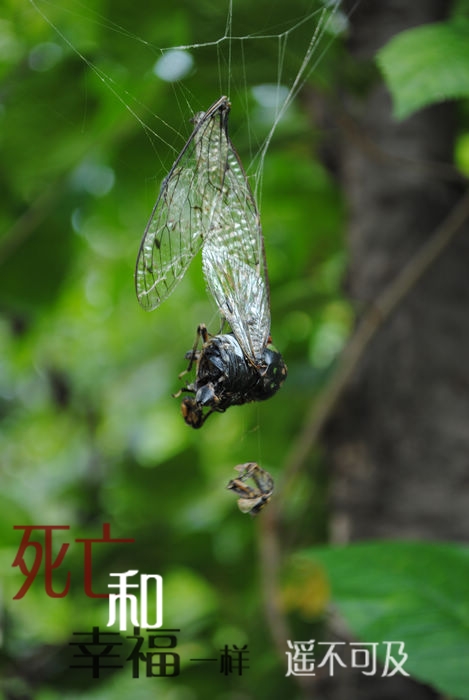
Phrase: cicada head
x=192 y=413
x=272 y=371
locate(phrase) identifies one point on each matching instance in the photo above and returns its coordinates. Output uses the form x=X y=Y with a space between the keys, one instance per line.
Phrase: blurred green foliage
x=89 y=430
x=421 y=600
x=427 y=64
x=90 y=433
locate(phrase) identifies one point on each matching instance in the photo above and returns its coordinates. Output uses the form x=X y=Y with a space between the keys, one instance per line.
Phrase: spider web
x=261 y=71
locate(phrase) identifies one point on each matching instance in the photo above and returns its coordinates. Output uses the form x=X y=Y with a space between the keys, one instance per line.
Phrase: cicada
x=205 y=203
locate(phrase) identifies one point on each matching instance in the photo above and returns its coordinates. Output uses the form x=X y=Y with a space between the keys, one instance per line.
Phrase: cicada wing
x=173 y=236
x=241 y=298
x=182 y=216
x=234 y=260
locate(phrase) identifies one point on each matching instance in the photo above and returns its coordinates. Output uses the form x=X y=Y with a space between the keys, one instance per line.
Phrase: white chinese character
x=331 y=656
x=123 y=597
x=301 y=663
x=390 y=659
x=362 y=657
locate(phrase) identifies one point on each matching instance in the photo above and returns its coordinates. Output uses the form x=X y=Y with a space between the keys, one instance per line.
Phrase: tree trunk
x=399 y=442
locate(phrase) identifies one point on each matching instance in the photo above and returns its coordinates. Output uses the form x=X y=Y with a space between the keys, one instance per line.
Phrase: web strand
x=234 y=83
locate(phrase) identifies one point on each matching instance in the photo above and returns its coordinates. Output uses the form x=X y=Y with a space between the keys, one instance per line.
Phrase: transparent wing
x=182 y=216
x=234 y=259
x=172 y=238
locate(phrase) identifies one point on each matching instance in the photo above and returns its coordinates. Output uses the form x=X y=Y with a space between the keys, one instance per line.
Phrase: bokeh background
x=91 y=120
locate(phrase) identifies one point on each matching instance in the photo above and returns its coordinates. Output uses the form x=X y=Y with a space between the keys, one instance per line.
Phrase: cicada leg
x=194 y=354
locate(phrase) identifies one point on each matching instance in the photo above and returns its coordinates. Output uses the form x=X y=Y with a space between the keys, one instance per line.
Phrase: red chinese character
x=49 y=564
x=88 y=564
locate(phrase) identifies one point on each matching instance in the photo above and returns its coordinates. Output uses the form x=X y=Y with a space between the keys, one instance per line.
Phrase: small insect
x=206 y=203
x=252 y=500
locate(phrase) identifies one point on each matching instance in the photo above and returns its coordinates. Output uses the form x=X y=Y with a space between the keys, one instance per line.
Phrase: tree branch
x=371 y=322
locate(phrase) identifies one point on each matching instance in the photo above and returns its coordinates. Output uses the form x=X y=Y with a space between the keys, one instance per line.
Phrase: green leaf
x=413 y=592
x=426 y=65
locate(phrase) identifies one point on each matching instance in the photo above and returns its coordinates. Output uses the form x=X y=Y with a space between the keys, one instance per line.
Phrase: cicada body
x=225 y=377
x=206 y=203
